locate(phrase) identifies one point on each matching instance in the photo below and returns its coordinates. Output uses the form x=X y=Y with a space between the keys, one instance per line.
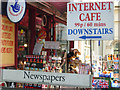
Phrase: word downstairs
x=90 y=31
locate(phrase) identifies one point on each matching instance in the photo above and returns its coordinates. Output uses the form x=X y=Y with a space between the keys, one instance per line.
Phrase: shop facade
x=29 y=29
x=40 y=24
x=39 y=41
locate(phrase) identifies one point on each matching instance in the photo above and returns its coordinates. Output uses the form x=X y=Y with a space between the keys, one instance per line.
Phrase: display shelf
x=32 y=63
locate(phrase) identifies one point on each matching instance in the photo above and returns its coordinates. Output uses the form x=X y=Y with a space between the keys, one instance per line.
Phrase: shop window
x=117 y=48
x=61 y=36
x=61 y=32
x=22 y=43
x=87 y=43
x=23 y=35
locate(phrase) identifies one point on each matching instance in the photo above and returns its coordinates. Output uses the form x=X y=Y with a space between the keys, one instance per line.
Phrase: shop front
x=44 y=56
x=36 y=26
x=30 y=43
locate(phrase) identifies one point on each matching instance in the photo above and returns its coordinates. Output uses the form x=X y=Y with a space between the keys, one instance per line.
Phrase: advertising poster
x=7 y=42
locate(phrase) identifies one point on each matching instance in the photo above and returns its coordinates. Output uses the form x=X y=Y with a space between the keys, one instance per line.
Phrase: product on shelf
x=100 y=83
x=33 y=63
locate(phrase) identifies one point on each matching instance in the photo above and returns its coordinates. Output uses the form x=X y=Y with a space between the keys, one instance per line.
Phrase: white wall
x=95 y=50
x=82 y=57
x=109 y=45
x=76 y=44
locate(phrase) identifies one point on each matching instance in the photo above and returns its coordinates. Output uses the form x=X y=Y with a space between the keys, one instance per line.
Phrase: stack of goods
x=99 y=83
x=105 y=74
x=34 y=62
x=53 y=66
x=35 y=86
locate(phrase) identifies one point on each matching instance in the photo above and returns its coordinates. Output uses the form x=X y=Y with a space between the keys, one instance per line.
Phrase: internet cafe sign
x=16 y=10
x=90 y=20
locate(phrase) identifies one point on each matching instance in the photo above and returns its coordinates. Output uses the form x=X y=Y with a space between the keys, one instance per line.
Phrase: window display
x=32 y=63
x=22 y=43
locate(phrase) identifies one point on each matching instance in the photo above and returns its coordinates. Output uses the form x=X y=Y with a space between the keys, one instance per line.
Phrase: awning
x=61 y=6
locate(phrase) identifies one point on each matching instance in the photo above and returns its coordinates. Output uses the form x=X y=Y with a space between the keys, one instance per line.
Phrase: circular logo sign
x=16 y=10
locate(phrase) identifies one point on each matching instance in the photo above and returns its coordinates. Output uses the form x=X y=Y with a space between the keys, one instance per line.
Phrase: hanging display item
x=42 y=34
x=41 y=41
x=44 y=20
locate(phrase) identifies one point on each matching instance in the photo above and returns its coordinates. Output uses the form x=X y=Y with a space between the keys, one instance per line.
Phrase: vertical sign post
x=91 y=56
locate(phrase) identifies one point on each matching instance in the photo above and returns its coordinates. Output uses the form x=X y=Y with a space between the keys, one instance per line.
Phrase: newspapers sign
x=90 y=21
x=63 y=79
